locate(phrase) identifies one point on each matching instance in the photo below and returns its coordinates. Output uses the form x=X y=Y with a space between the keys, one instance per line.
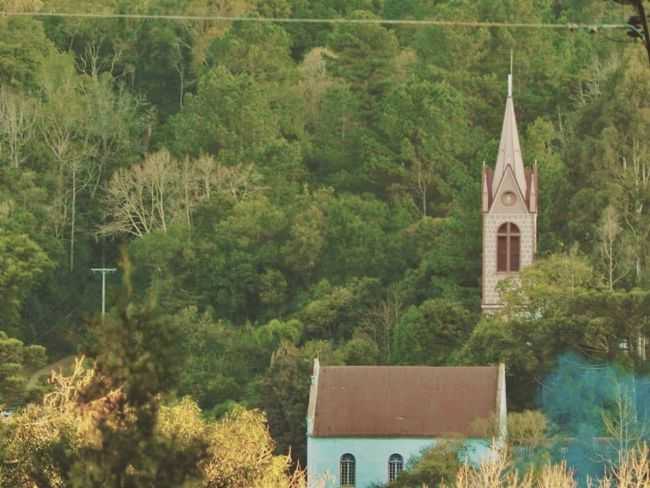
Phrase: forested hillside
x=291 y=190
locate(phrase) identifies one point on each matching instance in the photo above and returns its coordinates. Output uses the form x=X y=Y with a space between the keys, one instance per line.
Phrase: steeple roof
x=509 y=147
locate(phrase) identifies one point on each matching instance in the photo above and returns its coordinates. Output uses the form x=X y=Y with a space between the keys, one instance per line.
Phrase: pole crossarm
x=104 y=272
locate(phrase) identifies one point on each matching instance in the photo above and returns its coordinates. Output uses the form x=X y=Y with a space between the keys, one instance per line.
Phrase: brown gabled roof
x=403 y=401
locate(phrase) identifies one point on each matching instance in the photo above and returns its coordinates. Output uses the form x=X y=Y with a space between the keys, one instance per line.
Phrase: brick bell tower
x=509 y=208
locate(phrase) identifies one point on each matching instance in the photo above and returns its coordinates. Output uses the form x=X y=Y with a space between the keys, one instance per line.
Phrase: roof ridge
x=404 y=366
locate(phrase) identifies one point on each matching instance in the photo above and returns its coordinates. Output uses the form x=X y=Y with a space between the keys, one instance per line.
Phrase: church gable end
x=509 y=198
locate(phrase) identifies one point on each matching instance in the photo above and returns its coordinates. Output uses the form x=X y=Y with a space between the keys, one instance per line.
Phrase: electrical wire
x=286 y=20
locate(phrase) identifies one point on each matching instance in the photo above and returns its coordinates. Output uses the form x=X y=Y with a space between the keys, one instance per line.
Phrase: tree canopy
x=287 y=191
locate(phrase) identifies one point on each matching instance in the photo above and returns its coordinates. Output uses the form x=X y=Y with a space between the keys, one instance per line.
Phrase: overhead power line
x=287 y=20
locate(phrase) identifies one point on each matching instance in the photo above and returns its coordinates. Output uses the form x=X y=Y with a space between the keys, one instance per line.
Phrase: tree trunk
x=73 y=214
x=611 y=266
x=182 y=87
x=187 y=182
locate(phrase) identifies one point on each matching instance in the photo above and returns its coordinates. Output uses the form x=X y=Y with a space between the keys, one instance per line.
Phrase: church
x=364 y=423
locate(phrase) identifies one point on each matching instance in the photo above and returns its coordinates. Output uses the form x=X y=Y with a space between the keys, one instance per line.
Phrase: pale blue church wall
x=371 y=457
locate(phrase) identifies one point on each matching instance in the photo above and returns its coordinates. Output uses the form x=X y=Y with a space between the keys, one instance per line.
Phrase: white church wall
x=371 y=457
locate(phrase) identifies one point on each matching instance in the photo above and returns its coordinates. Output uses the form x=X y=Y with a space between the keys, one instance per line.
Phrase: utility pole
x=103 y=271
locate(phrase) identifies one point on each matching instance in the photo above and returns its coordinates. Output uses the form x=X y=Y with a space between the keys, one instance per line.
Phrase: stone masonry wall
x=491 y=223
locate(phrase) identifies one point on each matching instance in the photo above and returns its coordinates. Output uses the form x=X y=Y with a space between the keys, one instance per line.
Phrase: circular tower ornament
x=508 y=198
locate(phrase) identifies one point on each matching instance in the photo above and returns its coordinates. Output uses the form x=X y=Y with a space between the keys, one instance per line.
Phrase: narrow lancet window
x=508 y=247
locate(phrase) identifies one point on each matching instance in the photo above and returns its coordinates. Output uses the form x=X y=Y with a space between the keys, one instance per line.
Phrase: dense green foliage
x=300 y=190
x=17 y=361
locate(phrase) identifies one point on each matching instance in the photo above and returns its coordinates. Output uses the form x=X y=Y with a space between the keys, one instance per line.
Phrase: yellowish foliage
x=20 y=5
x=527 y=428
x=241 y=451
x=68 y=388
x=205 y=31
x=404 y=62
x=633 y=471
x=240 y=448
x=496 y=472
x=315 y=80
x=34 y=433
x=182 y=422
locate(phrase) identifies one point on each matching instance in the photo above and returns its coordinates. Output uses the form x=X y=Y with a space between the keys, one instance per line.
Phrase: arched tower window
x=347 y=470
x=395 y=466
x=508 y=246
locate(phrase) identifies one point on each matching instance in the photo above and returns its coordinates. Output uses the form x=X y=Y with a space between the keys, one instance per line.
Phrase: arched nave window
x=347 y=470
x=395 y=466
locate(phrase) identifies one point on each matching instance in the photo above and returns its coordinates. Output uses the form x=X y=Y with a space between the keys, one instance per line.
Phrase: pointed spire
x=509 y=147
x=512 y=60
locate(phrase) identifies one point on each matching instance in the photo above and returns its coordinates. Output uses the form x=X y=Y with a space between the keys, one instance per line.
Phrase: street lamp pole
x=103 y=271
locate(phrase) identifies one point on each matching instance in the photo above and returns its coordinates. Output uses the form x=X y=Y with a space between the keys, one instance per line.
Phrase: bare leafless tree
x=72 y=152
x=150 y=196
x=383 y=318
x=611 y=246
x=18 y=120
x=635 y=180
x=139 y=198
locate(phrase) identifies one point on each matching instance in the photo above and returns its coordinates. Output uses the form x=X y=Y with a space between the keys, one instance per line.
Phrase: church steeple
x=509 y=207
x=509 y=148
